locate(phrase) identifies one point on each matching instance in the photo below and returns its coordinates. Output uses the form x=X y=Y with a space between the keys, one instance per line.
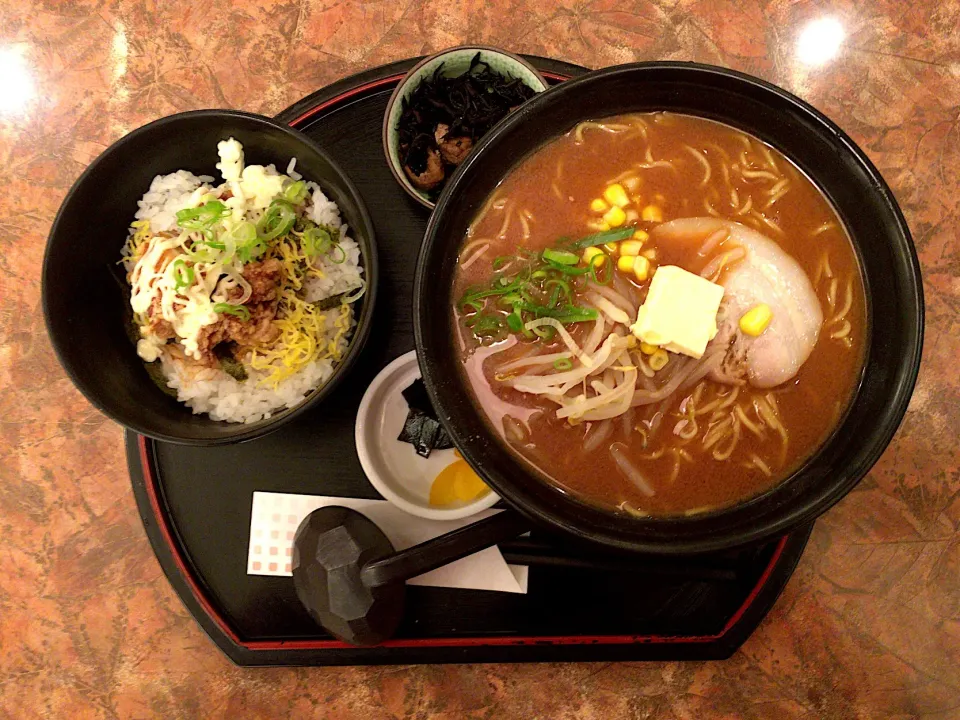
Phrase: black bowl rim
x=362 y=331
x=900 y=392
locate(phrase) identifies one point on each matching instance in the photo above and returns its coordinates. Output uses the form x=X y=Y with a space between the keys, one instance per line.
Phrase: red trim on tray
x=150 y=481
x=198 y=594
x=557 y=77
x=348 y=94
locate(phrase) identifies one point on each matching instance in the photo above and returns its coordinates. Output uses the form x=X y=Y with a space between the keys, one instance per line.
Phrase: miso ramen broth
x=557 y=263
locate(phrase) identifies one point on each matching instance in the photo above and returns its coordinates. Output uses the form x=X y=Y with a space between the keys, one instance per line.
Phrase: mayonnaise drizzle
x=190 y=309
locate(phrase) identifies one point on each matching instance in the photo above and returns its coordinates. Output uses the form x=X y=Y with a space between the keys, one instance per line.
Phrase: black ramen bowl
x=842 y=172
x=84 y=301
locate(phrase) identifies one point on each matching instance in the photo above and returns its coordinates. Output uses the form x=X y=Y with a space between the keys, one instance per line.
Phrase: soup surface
x=557 y=264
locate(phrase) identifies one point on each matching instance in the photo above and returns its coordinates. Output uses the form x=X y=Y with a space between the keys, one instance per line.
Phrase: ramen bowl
x=845 y=177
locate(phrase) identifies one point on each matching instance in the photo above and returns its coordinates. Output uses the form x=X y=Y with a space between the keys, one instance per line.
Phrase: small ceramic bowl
x=455 y=61
x=393 y=467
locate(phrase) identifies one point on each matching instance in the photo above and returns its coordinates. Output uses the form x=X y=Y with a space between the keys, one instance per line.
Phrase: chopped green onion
x=604 y=237
x=355 y=295
x=199 y=254
x=485 y=325
x=248 y=245
x=566 y=314
x=203 y=217
x=586 y=315
x=237 y=310
x=276 y=221
x=554 y=297
x=563 y=364
x=251 y=251
x=316 y=241
x=567 y=270
x=503 y=290
x=562 y=285
x=596 y=277
x=296 y=192
x=244 y=232
x=545 y=332
x=515 y=322
x=561 y=257
x=525 y=295
x=183 y=275
x=338 y=259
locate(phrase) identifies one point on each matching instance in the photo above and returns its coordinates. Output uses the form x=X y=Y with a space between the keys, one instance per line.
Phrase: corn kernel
x=631 y=247
x=641 y=268
x=641 y=235
x=598 y=205
x=598 y=225
x=652 y=213
x=625 y=263
x=632 y=216
x=594 y=256
x=755 y=320
x=614 y=217
x=648 y=349
x=650 y=254
x=631 y=342
x=659 y=359
x=616 y=195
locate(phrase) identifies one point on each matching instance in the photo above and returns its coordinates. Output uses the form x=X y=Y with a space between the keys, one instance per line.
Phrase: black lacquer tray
x=195 y=502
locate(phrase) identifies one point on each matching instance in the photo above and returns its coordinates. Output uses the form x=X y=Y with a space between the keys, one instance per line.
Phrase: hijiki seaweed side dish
x=242 y=293
x=445 y=116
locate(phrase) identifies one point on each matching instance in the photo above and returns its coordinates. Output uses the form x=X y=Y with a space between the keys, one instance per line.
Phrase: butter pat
x=680 y=312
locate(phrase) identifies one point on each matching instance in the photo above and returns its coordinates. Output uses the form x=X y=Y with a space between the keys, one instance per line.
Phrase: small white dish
x=393 y=467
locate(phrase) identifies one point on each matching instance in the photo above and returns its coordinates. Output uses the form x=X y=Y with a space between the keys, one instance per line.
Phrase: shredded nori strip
x=470 y=104
x=422 y=429
x=228 y=363
x=234 y=368
x=331 y=302
x=417 y=398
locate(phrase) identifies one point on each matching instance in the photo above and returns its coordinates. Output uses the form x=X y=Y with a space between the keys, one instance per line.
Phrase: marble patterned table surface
x=869 y=626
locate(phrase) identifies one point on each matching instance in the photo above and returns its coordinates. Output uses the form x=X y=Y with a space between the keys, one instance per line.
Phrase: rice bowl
x=242 y=292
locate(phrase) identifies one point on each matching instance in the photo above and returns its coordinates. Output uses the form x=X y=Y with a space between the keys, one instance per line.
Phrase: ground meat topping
x=260 y=329
x=156 y=325
x=264 y=277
